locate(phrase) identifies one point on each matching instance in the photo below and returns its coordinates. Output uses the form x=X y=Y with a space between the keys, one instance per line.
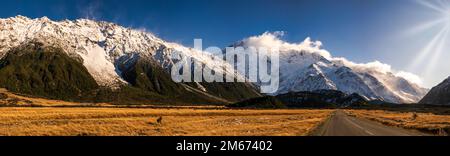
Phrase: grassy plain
x=38 y=121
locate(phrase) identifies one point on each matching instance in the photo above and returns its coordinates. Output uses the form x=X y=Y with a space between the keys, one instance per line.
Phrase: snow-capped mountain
x=102 y=46
x=106 y=49
x=113 y=55
x=307 y=67
x=439 y=95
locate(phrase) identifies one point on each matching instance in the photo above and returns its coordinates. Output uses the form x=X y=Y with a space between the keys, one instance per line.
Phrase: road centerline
x=356 y=125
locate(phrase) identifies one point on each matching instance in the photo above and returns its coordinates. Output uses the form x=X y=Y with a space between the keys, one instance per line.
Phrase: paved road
x=343 y=125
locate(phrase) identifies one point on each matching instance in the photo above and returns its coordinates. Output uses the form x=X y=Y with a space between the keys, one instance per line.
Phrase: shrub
x=414 y=116
x=3 y=96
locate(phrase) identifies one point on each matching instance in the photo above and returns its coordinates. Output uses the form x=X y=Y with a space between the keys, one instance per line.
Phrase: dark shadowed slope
x=439 y=95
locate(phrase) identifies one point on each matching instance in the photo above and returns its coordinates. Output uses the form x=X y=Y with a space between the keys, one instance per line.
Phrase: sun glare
x=448 y=16
x=428 y=57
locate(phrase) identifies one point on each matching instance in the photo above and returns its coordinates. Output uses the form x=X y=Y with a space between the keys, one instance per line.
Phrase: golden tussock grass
x=19 y=100
x=426 y=122
x=23 y=121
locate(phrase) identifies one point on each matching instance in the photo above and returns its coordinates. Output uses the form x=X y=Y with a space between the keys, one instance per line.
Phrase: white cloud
x=377 y=66
x=273 y=40
x=410 y=77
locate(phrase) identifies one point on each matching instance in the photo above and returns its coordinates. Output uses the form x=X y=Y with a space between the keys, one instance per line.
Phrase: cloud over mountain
x=306 y=66
x=274 y=40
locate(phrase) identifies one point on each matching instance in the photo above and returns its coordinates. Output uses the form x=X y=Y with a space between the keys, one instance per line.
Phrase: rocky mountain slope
x=439 y=95
x=305 y=99
x=110 y=60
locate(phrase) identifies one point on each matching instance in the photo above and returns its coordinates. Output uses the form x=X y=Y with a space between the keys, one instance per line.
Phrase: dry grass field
x=26 y=121
x=61 y=118
x=426 y=122
x=9 y=99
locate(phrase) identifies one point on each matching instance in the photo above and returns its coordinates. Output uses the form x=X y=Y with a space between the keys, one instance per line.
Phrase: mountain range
x=86 y=60
x=96 y=61
x=305 y=99
x=306 y=66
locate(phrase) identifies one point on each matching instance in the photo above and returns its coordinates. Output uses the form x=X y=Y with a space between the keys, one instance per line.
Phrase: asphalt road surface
x=340 y=124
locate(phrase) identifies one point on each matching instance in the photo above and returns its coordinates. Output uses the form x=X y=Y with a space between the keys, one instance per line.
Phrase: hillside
x=439 y=95
x=306 y=99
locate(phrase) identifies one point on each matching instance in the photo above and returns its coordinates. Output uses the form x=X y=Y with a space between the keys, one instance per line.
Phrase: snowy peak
x=100 y=45
x=311 y=79
x=305 y=66
x=117 y=59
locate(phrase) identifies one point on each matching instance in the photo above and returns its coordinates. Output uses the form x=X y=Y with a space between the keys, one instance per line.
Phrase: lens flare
x=448 y=16
x=430 y=55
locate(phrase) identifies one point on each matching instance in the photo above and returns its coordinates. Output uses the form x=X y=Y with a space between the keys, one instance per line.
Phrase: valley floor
x=97 y=121
x=27 y=121
x=25 y=116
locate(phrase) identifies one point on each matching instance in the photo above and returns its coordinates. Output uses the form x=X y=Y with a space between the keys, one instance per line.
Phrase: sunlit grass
x=175 y=122
x=427 y=122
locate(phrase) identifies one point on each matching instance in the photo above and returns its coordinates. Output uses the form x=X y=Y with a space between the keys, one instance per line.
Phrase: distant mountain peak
x=305 y=66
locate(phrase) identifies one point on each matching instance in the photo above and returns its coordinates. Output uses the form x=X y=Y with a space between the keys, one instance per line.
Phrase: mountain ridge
x=122 y=61
x=105 y=49
x=305 y=99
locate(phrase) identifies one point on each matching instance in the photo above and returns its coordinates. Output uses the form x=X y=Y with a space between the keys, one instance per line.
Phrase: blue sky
x=360 y=30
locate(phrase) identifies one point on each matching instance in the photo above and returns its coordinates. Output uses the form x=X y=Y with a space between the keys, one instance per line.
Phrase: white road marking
x=356 y=125
x=369 y=132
